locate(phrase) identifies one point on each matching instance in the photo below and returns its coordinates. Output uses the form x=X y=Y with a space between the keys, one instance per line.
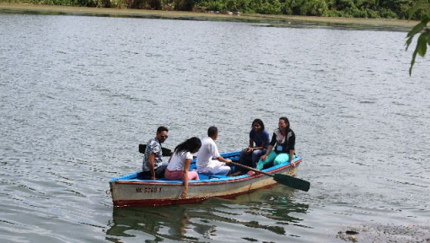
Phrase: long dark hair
x=285 y=119
x=260 y=122
x=191 y=145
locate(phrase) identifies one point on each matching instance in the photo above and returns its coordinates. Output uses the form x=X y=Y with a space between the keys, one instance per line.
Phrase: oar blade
x=164 y=151
x=142 y=148
x=292 y=182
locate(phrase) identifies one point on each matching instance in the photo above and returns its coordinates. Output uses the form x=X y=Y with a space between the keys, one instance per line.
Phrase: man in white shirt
x=209 y=161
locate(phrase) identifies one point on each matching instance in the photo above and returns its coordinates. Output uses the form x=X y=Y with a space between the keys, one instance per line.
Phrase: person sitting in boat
x=209 y=161
x=281 y=147
x=179 y=163
x=258 y=142
x=153 y=165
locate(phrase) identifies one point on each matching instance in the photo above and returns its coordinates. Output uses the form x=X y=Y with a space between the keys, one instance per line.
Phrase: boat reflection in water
x=264 y=210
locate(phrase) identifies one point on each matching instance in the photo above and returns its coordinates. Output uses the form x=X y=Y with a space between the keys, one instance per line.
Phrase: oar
x=286 y=180
x=164 y=151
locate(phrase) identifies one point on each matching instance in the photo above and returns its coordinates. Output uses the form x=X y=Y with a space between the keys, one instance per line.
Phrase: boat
x=130 y=190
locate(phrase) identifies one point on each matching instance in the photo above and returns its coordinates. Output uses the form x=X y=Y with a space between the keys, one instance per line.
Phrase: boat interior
x=234 y=156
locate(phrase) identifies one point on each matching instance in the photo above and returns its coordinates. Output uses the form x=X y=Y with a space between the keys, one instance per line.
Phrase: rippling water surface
x=77 y=95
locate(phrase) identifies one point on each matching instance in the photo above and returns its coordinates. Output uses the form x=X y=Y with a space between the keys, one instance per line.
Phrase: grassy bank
x=271 y=20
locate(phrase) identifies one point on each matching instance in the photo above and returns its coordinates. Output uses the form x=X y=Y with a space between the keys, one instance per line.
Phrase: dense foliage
x=331 y=8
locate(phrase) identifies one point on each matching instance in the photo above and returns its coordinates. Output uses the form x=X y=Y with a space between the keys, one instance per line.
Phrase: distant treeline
x=397 y=9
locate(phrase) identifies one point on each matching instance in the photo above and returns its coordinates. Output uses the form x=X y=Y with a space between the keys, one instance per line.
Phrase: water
x=78 y=94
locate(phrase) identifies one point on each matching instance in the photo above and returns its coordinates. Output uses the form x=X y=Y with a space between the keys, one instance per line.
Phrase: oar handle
x=282 y=179
x=250 y=168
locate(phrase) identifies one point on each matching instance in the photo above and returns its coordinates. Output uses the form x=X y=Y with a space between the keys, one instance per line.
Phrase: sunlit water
x=78 y=94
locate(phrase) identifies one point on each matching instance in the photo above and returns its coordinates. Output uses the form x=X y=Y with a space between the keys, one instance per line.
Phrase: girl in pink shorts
x=179 y=163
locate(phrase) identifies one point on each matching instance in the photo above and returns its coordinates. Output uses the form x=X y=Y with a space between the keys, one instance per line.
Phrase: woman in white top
x=179 y=163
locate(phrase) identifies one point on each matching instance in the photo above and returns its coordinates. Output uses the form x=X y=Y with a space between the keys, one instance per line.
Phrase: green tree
x=422 y=29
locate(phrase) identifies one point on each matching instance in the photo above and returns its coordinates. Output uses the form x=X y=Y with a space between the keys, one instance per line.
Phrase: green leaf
x=425 y=18
x=413 y=61
x=422 y=44
x=420 y=49
x=428 y=36
x=415 y=8
x=417 y=28
x=409 y=41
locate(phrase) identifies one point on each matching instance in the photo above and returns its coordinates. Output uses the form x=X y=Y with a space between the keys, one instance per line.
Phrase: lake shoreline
x=272 y=20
